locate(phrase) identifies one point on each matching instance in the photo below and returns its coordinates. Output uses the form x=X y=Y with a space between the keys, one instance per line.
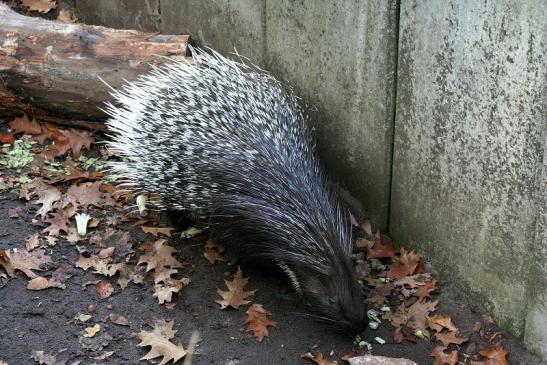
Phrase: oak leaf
x=495 y=355
x=24 y=261
x=159 y=343
x=77 y=140
x=158 y=256
x=442 y=358
x=258 y=322
x=439 y=322
x=408 y=263
x=59 y=221
x=164 y=292
x=235 y=295
x=85 y=194
x=212 y=252
x=380 y=250
x=24 y=124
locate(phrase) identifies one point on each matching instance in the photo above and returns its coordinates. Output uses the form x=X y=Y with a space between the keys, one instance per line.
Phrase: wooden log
x=52 y=70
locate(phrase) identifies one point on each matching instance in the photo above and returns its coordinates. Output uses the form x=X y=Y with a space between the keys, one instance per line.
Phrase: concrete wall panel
x=340 y=56
x=469 y=141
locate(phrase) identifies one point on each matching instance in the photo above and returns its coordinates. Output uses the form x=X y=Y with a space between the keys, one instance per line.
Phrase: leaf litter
x=61 y=182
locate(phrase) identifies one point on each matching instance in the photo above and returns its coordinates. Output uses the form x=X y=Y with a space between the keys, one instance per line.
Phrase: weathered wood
x=52 y=70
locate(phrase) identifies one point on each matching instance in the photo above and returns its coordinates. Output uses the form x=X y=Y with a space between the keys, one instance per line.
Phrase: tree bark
x=53 y=70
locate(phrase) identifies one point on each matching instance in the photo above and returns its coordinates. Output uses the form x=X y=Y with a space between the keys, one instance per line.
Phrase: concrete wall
x=469 y=148
x=469 y=173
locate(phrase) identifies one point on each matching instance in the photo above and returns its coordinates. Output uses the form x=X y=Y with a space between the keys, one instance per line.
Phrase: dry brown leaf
x=318 y=358
x=24 y=261
x=450 y=337
x=380 y=250
x=25 y=125
x=32 y=242
x=158 y=230
x=104 y=289
x=164 y=292
x=160 y=344
x=398 y=336
x=66 y=16
x=212 y=252
x=85 y=194
x=442 y=358
x=415 y=316
x=408 y=263
x=235 y=296
x=59 y=221
x=158 y=256
x=38 y=283
x=439 y=322
x=495 y=355
x=128 y=275
x=100 y=266
x=258 y=322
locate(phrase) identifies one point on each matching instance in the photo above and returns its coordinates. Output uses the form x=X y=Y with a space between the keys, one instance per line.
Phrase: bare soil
x=43 y=320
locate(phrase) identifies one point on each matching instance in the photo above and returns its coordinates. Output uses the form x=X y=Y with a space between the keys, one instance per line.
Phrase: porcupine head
x=228 y=142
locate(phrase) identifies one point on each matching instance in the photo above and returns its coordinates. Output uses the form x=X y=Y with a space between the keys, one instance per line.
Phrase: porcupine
x=229 y=142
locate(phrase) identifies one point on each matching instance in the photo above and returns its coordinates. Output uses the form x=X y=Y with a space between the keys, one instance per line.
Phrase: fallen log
x=53 y=70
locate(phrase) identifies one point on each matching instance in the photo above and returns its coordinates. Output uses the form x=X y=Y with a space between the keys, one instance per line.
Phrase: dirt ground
x=43 y=320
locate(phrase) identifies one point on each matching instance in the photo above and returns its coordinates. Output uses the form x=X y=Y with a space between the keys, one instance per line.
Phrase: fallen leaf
x=164 y=292
x=42 y=358
x=158 y=256
x=159 y=343
x=24 y=261
x=77 y=140
x=408 y=263
x=104 y=289
x=450 y=337
x=95 y=343
x=118 y=319
x=235 y=296
x=495 y=355
x=212 y=252
x=38 y=283
x=91 y=331
x=439 y=322
x=398 y=336
x=66 y=16
x=380 y=250
x=258 y=322
x=24 y=124
x=85 y=194
x=158 y=230
x=32 y=242
x=7 y=138
x=83 y=317
x=59 y=221
x=442 y=358
x=415 y=316
x=318 y=358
